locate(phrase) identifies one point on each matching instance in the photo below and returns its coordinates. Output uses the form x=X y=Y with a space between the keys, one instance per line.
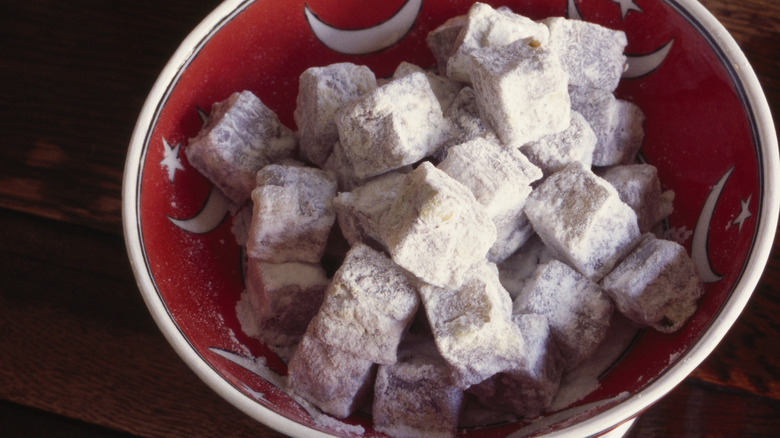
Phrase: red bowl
x=708 y=131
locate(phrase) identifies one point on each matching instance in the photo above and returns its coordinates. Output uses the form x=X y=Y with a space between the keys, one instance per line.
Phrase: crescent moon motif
x=699 y=252
x=367 y=40
x=572 y=11
x=213 y=212
x=641 y=65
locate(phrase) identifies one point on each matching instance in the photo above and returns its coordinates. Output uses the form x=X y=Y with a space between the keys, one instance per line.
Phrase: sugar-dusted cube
x=516 y=269
x=322 y=91
x=656 y=285
x=444 y=88
x=442 y=40
x=528 y=388
x=293 y=214
x=464 y=121
x=415 y=396
x=521 y=91
x=397 y=124
x=582 y=219
x=240 y=136
x=336 y=381
x=591 y=54
x=435 y=228
x=284 y=297
x=367 y=307
x=618 y=124
x=488 y=27
x=639 y=187
x=500 y=179
x=472 y=325
x=359 y=212
x=554 y=151
x=577 y=309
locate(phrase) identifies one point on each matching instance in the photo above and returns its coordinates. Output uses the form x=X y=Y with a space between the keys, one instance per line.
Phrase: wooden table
x=79 y=353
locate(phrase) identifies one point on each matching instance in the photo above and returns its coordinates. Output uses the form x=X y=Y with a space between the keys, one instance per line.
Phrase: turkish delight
x=553 y=152
x=582 y=219
x=521 y=91
x=442 y=40
x=472 y=325
x=293 y=214
x=656 y=285
x=435 y=228
x=591 y=54
x=529 y=387
x=322 y=91
x=415 y=396
x=332 y=379
x=639 y=187
x=367 y=307
x=577 y=309
x=240 y=136
x=443 y=88
x=488 y=27
x=397 y=124
x=617 y=124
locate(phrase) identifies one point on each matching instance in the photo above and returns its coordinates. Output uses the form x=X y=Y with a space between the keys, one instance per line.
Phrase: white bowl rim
x=627 y=409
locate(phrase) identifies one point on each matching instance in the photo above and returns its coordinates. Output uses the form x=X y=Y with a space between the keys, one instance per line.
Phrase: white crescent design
x=699 y=252
x=209 y=217
x=640 y=65
x=368 y=40
x=572 y=11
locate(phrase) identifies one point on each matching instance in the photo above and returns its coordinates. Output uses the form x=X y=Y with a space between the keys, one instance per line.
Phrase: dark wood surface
x=79 y=353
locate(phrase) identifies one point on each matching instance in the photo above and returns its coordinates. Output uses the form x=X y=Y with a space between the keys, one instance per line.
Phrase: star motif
x=744 y=213
x=626 y=6
x=170 y=159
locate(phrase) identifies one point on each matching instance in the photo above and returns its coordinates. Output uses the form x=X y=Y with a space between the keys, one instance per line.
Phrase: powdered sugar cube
x=591 y=54
x=367 y=307
x=639 y=187
x=334 y=380
x=516 y=269
x=656 y=285
x=293 y=214
x=528 y=388
x=553 y=152
x=617 y=124
x=397 y=124
x=435 y=228
x=415 y=396
x=577 y=309
x=284 y=297
x=360 y=211
x=582 y=219
x=442 y=40
x=521 y=91
x=443 y=88
x=240 y=136
x=322 y=91
x=488 y=27
x=472 y=325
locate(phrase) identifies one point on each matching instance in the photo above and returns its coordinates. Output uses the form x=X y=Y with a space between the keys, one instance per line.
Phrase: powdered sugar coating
x=639 y=187
x=656 y=285
x=553 y=152
x=240 y=136
x=472 y=325
x=367 y=307
x=582 y=219
x=577 y=309
x=435 y=228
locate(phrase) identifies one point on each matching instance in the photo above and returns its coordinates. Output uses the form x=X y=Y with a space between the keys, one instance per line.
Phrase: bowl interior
x=700 y=132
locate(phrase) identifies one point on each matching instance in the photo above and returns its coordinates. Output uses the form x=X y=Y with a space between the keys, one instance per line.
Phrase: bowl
x=708 y=130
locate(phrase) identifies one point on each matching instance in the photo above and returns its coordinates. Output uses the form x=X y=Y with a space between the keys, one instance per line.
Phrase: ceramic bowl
x=708 y=131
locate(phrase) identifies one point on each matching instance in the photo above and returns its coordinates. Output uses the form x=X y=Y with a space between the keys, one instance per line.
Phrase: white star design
x=744 y=213
x=170 y=159
x=626 y=6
